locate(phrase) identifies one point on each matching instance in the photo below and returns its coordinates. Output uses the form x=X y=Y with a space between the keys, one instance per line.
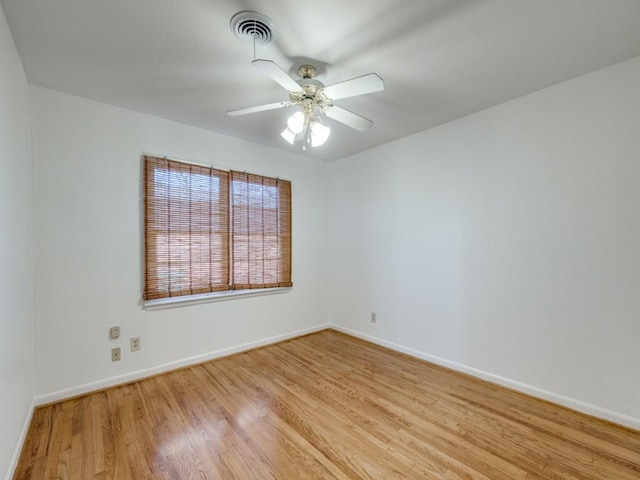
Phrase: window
x=208 y=230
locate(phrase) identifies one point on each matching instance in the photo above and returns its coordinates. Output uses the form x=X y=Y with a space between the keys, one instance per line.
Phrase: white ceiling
x=440 y=59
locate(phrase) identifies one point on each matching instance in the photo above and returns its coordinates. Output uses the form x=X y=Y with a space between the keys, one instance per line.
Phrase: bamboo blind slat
x=197 y=219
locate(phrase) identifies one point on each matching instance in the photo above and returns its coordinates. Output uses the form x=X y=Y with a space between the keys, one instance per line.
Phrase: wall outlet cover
x=115 y=354
x=114 y=332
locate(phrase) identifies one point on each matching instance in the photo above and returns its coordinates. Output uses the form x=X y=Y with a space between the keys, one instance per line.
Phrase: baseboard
x=20 y=443
x=167 y=367
x=571 y=403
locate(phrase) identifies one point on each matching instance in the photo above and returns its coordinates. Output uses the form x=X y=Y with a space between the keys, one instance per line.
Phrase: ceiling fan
x=315 y=101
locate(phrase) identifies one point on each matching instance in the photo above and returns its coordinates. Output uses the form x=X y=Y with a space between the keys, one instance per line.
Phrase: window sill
x=173 y=302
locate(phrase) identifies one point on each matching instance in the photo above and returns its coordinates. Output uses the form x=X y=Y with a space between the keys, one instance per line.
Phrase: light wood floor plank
x=324 y=406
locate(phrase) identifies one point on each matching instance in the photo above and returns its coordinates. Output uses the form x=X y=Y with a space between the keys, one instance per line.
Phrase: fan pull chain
x=254 y=35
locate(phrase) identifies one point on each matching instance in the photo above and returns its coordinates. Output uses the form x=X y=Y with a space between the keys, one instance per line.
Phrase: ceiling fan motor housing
x=307 y=71
x=309 y=84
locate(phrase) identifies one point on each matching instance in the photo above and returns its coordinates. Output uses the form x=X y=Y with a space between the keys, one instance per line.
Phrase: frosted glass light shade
x=296 y=122
x=319 y=134
x=288 y=135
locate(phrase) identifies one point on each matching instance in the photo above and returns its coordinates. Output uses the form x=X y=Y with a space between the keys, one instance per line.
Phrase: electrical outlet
x=114 y=332
x=115 y=354
x=135 y=344
x=374 y=318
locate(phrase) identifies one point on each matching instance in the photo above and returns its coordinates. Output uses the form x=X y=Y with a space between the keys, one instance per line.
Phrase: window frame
x=158 y=213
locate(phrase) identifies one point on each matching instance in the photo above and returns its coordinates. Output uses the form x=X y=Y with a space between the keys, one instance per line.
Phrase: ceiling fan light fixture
x=296 y=122
x=315 y=102
x=310 y=129
x=288 y=135
x=319 y=134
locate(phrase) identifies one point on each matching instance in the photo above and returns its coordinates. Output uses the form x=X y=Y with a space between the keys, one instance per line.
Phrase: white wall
x=17 y=374
x=506 y=243
x=88 y=185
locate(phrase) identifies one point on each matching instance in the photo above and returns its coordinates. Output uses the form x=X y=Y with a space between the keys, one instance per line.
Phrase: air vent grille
x=249 y=25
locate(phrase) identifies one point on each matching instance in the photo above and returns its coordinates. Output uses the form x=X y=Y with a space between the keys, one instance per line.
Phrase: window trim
x=217 y=295
x=186 y=300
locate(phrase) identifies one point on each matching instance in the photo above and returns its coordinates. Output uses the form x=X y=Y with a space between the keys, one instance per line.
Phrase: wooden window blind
x=208 y=230
x=261 y=226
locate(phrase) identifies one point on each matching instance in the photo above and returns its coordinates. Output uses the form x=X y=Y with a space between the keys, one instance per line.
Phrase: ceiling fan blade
x=356 y=86
x=278 y=75
x=350 y=119
x=259 y=108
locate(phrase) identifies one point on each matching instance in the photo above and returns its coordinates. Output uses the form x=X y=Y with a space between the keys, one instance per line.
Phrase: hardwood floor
x=324 y=406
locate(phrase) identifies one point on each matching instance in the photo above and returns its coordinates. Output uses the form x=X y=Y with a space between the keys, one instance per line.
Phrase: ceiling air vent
x=249 y=25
